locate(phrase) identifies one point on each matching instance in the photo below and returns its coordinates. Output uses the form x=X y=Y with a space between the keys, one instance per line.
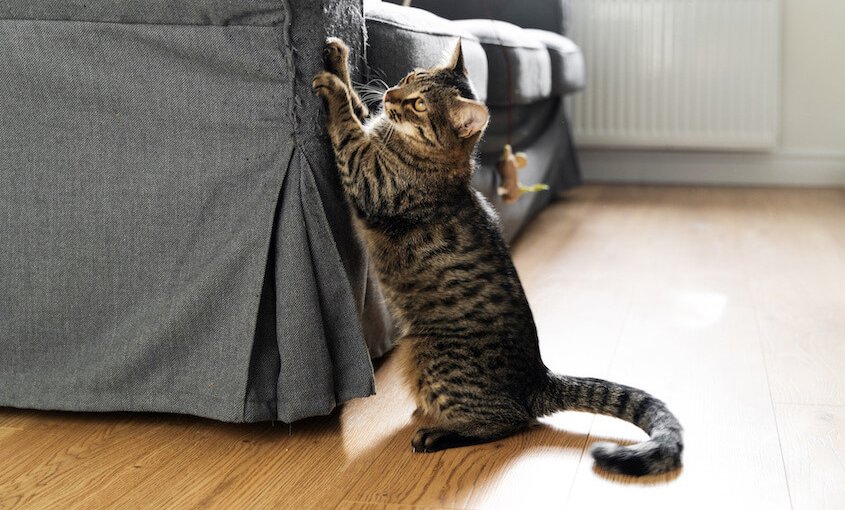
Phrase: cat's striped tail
x=661 y=453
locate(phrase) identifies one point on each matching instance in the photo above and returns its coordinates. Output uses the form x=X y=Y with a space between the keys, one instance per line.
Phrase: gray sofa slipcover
x=172 y=233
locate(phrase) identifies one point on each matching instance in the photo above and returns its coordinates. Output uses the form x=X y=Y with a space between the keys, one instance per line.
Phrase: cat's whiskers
x=370 y=87
x=391 y=127
x=371 y=92
x=380 y=82
x=370 y=84
x=370 y=97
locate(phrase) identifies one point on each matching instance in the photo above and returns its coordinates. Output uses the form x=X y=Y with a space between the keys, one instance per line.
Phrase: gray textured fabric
x=400 y=39
x=568 y=73
x=148 y=167
x=518 y=125
x=551 y=15
x=160 y=12
x=518 y=63
x=324 y=356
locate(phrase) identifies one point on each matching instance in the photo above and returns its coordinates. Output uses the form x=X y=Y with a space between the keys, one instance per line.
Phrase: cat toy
x=511 y=189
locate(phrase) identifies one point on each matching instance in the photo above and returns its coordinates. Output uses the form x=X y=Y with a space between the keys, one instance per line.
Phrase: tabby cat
x=468 y=340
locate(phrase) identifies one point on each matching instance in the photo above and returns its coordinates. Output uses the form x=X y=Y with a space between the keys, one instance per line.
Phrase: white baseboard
x=781 y=168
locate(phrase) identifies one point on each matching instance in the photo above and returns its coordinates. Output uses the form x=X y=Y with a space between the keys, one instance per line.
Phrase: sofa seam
x=492 y=42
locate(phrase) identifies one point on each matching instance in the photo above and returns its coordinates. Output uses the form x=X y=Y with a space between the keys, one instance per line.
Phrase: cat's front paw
x=336 y=56
x=326 y=84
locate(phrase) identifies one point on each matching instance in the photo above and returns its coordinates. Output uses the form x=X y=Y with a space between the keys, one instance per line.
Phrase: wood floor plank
x=803 y=328
x=6 y=432
x=222 y=464
x=813 y=440
x=360 y=505
x=798 y=254
x=44 y=466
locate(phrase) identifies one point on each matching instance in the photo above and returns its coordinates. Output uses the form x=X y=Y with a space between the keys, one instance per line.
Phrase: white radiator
x=678 y=73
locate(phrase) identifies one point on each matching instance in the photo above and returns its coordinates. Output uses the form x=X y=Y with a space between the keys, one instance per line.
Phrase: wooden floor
x=729 y=304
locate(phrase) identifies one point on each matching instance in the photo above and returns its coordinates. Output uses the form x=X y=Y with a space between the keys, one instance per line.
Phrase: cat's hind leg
x=469 y=423
x=432 y=439
x=336 y=60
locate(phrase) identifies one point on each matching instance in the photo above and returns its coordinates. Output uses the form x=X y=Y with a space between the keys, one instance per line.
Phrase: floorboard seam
x=761 y=342
x=612 y=359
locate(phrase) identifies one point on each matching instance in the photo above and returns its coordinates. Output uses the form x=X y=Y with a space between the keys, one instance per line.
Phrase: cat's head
x=438 y=106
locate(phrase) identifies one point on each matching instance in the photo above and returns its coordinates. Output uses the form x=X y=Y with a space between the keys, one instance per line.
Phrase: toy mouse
x=510 y=189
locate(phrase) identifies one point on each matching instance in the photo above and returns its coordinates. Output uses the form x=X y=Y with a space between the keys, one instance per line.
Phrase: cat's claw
x=335 y=55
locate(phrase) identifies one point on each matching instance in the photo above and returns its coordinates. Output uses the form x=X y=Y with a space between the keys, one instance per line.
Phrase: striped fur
x=468 y=340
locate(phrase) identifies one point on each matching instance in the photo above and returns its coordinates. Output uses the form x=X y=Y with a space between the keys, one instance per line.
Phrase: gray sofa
x=174 y=237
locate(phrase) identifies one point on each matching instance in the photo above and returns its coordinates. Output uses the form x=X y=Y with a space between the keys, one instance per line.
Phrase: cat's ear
x=469 y=117
x=456 y=60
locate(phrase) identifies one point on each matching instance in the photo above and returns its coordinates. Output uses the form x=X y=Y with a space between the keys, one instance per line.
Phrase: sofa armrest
x=551 y=15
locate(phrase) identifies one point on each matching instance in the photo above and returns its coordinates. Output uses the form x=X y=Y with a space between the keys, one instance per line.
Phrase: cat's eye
x=419 y=105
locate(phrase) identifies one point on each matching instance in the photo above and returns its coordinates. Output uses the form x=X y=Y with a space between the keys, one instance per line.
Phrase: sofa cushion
x=552 y=15
x=567 y=61
x=400 y=39
x=518 y=62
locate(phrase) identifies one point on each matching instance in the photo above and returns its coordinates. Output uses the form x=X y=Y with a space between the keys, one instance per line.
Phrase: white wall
x=811 y=150
x=813 y=90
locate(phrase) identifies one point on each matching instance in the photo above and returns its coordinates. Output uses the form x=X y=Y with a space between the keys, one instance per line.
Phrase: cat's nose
x=392 y=96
